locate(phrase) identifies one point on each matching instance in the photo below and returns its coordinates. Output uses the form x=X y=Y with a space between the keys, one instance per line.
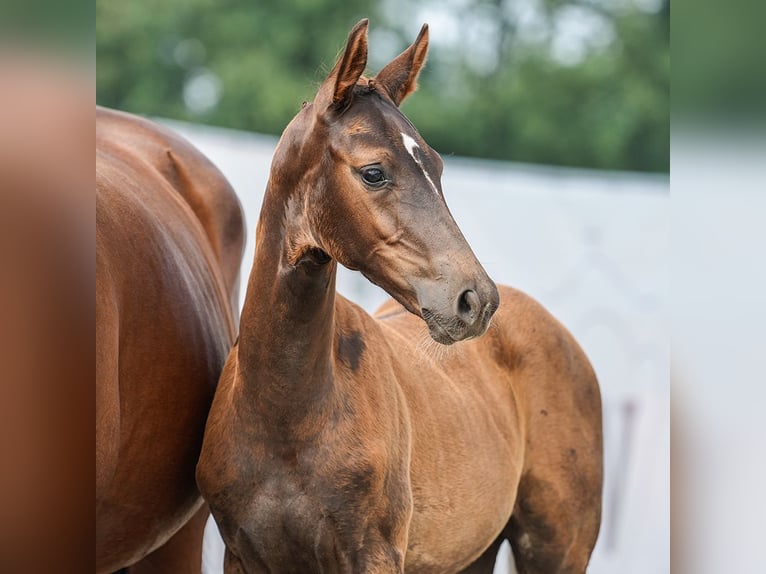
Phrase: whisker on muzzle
x=429 y=348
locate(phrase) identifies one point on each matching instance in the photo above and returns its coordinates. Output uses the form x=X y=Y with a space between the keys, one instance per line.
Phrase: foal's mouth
x=439 y=333
x=448 y=331
x=444 y=331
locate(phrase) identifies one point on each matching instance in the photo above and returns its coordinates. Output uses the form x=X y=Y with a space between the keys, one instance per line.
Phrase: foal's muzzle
x=464 y=316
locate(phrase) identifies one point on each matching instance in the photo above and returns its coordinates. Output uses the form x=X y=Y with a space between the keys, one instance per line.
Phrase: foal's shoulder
x=388 y=323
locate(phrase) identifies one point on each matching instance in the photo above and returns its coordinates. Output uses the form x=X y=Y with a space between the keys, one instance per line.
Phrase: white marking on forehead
x=410 y=144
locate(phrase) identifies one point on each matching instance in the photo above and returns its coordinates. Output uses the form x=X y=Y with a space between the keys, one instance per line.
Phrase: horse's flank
x=169 y=239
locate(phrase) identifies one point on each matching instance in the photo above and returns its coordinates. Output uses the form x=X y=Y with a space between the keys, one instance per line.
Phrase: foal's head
x=366 y=191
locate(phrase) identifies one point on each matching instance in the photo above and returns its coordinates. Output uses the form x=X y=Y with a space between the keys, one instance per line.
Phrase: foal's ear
x=400 y=76
x=337 y=88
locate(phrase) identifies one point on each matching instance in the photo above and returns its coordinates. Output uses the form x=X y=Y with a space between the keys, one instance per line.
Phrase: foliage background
x=561 y=82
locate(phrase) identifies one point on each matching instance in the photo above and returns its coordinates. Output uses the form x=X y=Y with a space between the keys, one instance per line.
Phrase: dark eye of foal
x=373 y=176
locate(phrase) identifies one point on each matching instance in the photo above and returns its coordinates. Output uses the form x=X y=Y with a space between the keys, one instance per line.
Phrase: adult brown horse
x=340 y=442
x=169 y=241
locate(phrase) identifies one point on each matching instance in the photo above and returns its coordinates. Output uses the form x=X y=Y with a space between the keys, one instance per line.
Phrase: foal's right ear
x=337 y=89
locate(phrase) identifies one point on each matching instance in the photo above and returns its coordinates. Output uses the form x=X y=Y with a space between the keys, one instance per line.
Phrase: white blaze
x=410 y=145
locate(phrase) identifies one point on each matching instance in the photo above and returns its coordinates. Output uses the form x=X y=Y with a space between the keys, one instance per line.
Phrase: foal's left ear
x=337 y=89
x=400 y=76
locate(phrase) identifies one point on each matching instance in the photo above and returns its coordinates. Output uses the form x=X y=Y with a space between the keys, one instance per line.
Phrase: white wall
x=592 y=247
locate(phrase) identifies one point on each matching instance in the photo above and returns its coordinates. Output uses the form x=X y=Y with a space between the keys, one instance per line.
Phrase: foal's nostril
x=468 y=306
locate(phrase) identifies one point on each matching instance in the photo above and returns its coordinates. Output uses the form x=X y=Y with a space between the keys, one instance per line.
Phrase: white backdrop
x=592 y=247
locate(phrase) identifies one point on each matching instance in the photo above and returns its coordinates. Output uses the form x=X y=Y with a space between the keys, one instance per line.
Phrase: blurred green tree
x=565 y=82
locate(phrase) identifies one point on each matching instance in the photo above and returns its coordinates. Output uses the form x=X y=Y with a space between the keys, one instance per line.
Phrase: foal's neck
x=287 y=323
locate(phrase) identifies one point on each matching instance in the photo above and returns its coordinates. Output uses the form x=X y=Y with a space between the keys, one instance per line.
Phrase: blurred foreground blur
x=719 y=320
x=719 y=286
x=47 y=277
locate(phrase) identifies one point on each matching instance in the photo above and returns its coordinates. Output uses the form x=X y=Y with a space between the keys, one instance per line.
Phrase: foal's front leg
x=384 y=559
x=366 y=552
x=231 y=564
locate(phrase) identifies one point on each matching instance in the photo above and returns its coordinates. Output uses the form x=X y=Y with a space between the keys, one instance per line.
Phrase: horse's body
x=169 y=240
x=340 y=442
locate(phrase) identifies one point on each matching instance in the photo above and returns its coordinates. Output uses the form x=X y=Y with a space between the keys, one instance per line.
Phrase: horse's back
x=169 y=238
x=189 y=173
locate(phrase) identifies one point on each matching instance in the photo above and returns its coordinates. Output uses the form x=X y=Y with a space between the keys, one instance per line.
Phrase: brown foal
x=169 y=241
x=341 y=442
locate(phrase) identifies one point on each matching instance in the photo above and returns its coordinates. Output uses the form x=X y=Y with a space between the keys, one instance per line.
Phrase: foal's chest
x=288 y=526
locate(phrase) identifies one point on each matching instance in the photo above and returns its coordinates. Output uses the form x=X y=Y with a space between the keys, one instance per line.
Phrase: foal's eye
x=373 y=176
